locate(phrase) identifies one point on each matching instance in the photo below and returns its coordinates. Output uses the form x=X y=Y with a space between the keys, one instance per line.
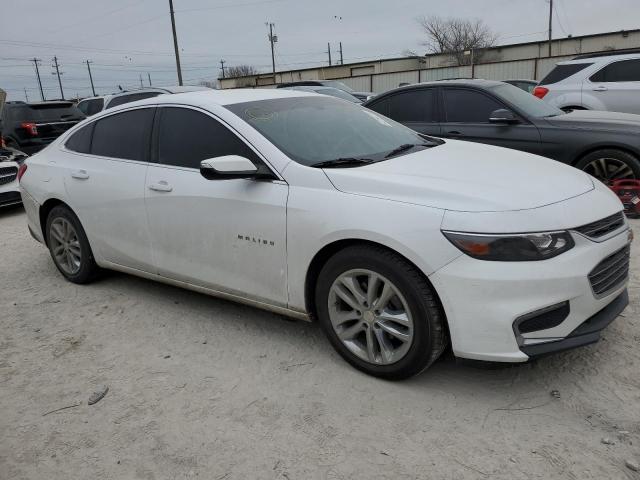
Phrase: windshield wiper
x=343 y=162
x=407 y=146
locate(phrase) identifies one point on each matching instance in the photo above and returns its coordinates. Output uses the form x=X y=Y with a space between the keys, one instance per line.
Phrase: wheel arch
x=330 y=249
x=44 y=211
x=604 y=146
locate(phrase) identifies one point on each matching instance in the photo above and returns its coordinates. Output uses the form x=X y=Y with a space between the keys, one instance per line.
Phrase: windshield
x=530 y=105
x=311 y=130
x=338 y=85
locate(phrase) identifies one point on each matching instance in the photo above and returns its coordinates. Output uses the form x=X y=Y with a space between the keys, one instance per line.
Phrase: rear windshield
x=560 y=72
x=54 y=112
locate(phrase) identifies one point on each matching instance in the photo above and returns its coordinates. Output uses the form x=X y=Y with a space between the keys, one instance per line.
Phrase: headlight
x=520 y=247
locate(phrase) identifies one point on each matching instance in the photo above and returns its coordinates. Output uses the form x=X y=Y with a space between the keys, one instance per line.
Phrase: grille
x=602 y=227
x=611 y=272
x=8 y=175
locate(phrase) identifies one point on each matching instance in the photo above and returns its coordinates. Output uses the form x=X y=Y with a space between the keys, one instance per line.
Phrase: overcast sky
x=129 y=38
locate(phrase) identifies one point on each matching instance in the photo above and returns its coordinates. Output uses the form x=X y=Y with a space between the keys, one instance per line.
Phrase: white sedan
x=398 y=244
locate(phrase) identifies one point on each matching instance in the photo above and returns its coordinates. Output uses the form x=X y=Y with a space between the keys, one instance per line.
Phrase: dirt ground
x=200 y=387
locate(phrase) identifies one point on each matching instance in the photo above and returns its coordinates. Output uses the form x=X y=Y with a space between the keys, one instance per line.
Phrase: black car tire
x=609 y=153
x=430 y=336
x=88 y=269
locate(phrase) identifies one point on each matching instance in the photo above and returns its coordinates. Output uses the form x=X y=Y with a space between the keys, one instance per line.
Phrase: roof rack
x=608 y=53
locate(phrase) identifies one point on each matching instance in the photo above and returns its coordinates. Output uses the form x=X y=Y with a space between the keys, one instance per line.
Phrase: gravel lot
x=200 y=387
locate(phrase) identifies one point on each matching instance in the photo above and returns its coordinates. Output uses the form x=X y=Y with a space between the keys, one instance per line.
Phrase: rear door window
x=413 y=106
x=622 y=71
x=561 y=72
x=80 y=141
x=186 y=137
x=124 y=135
x=468 y=106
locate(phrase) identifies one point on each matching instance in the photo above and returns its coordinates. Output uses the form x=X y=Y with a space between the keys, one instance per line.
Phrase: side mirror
x=227 y=167
x=503 y=115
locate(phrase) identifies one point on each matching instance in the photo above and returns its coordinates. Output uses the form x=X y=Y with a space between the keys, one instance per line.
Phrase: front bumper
x=482 y=300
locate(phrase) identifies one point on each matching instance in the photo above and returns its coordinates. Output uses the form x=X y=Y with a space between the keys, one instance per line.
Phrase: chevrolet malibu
x=399 y=244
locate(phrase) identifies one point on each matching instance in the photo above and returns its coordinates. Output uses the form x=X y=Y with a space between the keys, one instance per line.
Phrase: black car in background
x=604 y=144
x=30 y=127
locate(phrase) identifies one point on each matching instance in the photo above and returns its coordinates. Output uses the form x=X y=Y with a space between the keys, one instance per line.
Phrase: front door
x=466 y=115
x=228 y=235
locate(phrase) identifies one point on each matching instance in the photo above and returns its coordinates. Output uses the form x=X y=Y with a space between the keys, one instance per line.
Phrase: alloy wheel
x=370 y=316
x=607 y=169
x=65 y=245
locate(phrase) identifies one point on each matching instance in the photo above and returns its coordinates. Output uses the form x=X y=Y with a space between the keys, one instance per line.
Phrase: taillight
x=2 y=143
x=31 y=128
x=22 y=170
x=540 y=92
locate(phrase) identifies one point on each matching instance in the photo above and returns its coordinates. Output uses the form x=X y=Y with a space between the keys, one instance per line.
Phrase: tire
x=604 y=163
x=76 y=243
x=414 y=296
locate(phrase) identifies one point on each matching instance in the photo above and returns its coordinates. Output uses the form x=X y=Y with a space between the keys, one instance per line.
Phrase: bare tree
x=454 y=36
x=240 y=71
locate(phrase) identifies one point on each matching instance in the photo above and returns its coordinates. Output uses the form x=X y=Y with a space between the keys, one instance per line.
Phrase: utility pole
x=329 y=52
x=222 y=62
x=272 y=39
x=341 y=59
x=141 y=85
x=35 y=62
x=57 y=67
x=550 y=23
x=175 y=43
x=149 y=76
x=90 y=77
x=25 y=94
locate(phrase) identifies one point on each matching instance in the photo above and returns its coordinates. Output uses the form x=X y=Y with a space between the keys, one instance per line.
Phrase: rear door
x=617 y=86
x=466 y=114
x=415 y=108
x=228 y=235
x=105 y=174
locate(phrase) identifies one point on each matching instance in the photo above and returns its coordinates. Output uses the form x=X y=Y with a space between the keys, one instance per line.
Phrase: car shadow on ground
x=11 y=211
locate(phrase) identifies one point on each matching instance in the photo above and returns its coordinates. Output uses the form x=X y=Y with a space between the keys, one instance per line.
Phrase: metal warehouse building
x=521 y=60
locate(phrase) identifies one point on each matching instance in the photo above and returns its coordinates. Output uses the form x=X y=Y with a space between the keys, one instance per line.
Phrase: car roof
x=476 y=82
x=600 y=58
x=214 y=98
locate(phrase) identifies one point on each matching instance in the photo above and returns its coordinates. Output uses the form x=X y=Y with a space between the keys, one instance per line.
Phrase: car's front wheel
x=69 y=247
x=610 y=164
x=379 y=312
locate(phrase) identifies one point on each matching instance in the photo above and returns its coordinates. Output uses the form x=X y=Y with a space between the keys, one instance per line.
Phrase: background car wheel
x=610 y=164
x=380 y=313
x=69 y=246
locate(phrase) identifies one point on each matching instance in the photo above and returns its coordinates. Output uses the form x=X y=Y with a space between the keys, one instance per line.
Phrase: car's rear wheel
x=69 y=247
x=610 y=164
x=379 y=312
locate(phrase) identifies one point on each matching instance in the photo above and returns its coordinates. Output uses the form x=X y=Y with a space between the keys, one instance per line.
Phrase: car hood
x=591 y=119
x=465 y=176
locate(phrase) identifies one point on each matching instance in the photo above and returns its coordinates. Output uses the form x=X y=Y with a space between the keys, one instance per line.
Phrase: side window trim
x=92 y=124
x=154 y=158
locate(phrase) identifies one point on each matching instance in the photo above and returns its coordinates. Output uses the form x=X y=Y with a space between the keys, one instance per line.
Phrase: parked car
x=526 y=85
x=362 y=96
x=333 y=92
x=240 y=195
x=594 y=82
x=91 y=106
x=604 y=144
x=10 y=161
x=29 y=127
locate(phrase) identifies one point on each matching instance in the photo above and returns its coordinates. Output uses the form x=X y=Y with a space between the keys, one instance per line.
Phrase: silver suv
x=594 y=82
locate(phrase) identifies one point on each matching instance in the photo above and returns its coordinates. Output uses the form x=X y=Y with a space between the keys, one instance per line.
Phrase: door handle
x=454 y=133
x=161 y=186
x=80 y=174
x=601 y=88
